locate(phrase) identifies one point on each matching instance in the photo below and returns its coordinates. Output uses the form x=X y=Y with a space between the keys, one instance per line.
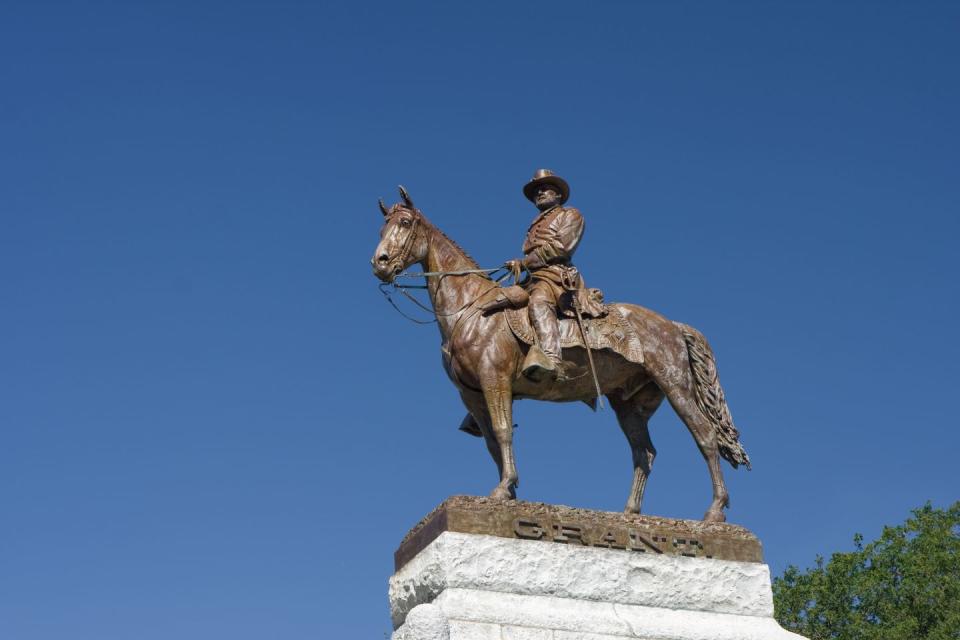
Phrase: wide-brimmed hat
x=545 y=176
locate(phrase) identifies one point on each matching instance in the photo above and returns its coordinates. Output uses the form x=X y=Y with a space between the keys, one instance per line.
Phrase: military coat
x=551 y=239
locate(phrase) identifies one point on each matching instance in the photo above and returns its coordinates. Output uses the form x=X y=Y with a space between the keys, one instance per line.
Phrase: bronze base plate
x=537 y=521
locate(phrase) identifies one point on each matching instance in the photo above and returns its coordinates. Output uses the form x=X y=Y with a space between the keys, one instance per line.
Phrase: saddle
x=603 y=324
x=611 y=331
x=605 y=328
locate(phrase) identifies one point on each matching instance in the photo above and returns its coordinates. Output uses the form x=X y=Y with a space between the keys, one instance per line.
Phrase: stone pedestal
x=477 y=569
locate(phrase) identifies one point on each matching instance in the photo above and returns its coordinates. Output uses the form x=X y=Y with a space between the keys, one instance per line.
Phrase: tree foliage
x=903 y=586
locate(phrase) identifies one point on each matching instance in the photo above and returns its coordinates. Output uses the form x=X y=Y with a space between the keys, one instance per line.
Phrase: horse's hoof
x=502 y=494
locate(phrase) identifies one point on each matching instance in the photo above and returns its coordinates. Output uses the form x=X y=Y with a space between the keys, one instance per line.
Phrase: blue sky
x=214 y=426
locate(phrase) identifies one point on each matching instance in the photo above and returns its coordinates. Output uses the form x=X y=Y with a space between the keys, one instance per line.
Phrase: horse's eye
x=405 y=222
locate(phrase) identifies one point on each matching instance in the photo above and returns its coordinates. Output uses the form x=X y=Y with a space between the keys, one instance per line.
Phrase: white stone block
x=526 y=633
x=424 y=622
x=492 y=588
x=545 y=568
x=465 y=630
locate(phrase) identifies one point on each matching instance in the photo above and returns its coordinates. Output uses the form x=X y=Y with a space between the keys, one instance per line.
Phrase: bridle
x=402 y=257
x=411 y=237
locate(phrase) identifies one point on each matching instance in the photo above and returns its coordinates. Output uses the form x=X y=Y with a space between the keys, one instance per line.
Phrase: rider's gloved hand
x=514 y=267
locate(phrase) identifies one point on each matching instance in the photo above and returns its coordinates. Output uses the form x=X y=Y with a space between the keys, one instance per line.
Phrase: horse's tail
x=710 y=396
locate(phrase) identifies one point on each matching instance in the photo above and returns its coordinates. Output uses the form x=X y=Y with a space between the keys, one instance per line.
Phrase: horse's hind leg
x=633 y=415
x=683 y=400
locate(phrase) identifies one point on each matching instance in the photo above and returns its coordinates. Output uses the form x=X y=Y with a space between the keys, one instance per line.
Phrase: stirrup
x=567 y=371
x=537 y=366
x=540 y=367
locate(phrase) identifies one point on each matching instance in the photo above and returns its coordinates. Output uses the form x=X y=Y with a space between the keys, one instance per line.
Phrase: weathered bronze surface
x=567 y=525
x=487 y=362
x=548 y=249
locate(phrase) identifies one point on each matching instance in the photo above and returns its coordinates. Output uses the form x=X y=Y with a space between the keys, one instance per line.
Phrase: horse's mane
x=437 y=230
x=455 y=245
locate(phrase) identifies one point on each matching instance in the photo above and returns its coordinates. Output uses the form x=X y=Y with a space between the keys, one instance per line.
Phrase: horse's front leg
x=498 y=396
x=477 y=407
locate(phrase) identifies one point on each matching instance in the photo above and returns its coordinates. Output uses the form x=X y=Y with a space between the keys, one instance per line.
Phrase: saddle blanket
x=611 y=332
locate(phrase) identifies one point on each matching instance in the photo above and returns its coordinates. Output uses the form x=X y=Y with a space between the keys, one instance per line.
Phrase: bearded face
x=547 y=196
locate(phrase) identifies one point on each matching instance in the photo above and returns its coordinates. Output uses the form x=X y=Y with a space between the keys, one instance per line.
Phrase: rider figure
x=552 y=238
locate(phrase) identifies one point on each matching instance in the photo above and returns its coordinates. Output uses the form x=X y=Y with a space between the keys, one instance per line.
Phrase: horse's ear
x=383 y=208
x=406 y=197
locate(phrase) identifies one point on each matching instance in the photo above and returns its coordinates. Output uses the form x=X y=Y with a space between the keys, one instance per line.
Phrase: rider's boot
x=546 y=363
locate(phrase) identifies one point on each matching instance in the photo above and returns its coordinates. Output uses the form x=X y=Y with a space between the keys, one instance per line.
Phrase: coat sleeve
x=558 y=240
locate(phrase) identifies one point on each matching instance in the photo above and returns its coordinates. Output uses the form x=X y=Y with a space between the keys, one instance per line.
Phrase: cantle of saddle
x=589 y=301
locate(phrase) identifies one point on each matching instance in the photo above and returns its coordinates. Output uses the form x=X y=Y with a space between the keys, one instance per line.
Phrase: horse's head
x=402 y=239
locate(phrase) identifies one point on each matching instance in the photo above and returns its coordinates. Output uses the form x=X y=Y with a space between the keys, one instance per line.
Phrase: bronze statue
x=638 y=356
x=552 y=238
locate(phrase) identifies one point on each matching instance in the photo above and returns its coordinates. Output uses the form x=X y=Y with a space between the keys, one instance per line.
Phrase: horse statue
x=483 y=357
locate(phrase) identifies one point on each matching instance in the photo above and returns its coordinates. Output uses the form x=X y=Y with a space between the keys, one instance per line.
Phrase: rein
x=449 y=273
x=402 y=288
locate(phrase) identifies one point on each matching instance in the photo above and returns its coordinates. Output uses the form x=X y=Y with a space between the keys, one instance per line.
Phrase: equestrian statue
x=549 y=337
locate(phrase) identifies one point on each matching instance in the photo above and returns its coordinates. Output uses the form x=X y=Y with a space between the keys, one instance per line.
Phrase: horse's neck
x=451 y=294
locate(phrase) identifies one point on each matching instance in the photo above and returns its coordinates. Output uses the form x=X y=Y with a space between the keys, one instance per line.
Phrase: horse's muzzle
x=386 y=270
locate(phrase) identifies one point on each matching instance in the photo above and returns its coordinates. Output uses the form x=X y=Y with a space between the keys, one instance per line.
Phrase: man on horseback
x=551 y=239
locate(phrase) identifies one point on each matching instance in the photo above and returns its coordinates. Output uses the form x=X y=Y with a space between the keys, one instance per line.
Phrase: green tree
x=903 y=586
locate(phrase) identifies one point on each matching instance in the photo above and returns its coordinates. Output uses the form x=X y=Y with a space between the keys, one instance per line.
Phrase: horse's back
x=659 y=335
x=641 y=316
